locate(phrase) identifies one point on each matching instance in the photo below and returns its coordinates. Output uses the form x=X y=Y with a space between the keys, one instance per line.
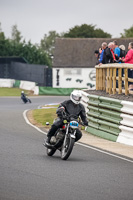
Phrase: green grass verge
x=41 y=116
x=12 y=92
x=49 y=106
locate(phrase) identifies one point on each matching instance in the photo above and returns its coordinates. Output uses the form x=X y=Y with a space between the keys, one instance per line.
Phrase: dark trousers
x=58 y=124
x=130 y=75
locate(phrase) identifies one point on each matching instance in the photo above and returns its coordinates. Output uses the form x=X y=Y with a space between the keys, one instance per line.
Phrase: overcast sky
x=35 y=18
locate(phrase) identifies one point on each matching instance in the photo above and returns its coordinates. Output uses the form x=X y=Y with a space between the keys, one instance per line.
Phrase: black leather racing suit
x=74 y=110
x=23 y=97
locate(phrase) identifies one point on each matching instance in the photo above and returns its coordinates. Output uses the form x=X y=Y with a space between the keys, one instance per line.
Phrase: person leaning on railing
x=107 y=56
x=122 y=51
x=97 y=55
x=129 y=59
x=116 y=50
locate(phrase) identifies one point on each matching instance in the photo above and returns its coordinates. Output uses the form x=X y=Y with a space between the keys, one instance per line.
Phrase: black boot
x=48 y=140
x=51 y=132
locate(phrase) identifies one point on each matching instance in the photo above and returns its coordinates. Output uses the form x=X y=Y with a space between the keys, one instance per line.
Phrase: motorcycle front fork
x=71 y=135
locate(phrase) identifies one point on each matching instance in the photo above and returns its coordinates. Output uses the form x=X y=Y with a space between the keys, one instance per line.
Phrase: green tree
x=34 y=54
x=2 y=35
x=16 y=34
x=127 y=33
x=4 y=44
x=48 y=41
x=86 y=31
x=15 y=47
x=99 y=33
x=0 y=28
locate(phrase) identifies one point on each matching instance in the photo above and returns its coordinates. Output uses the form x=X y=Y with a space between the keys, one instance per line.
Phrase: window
x=73 y=71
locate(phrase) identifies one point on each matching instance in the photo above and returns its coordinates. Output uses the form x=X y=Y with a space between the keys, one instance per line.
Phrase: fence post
x=107 y=86
x=104 y=79
x=110 y=82
x=97 y=78
x=126 y=81
x=100 y=79
x=114 y=81
x=120 y=81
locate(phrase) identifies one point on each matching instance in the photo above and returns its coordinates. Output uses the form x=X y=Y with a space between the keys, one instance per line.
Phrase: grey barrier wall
x=40 y=74
x=4 y=70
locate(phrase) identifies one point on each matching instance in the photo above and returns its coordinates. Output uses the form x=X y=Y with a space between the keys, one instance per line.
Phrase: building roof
x=79 y=52
x=9 y=59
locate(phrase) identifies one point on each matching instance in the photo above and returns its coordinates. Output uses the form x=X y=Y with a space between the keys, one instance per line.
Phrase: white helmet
x=22 y=92
x=76 y=96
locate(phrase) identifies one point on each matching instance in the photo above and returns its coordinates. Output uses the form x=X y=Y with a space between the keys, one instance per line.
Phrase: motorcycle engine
x=59 y=135
x=53 y=140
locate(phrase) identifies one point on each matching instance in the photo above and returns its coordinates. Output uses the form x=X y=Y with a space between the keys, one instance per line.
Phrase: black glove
x=86 y=123
x=60 y=111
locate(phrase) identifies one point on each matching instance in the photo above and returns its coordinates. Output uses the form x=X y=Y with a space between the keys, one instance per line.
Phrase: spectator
x=97 y=54
x=111 y=45
x=116 y=50
x=102 y=59
x=122 y=51
x=101 y=51
x=108 y=53
x=129 y=56
x=122 y=55
x=111 y=54
x=129 y=59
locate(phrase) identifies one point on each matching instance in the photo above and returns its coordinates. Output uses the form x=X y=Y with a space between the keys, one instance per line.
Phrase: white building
x=73 y=67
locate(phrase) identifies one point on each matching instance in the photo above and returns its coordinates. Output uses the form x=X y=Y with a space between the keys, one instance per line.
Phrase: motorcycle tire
x=24 y=100
x=50 y=152
x=29 y=100
x=67 y=148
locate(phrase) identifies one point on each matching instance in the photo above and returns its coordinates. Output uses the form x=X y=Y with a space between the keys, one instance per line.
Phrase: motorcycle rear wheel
x=29 y=100
x=67 y=148
x=50 y=152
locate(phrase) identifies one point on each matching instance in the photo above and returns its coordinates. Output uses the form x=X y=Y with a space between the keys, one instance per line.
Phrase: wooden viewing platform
x=106 y=78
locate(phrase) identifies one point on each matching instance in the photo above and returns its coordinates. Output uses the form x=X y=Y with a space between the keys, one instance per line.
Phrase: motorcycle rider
x=71 y=107
x=23 y=97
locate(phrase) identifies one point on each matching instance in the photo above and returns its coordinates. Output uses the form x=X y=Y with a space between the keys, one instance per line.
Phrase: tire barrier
x=25 y=85
x=28 y=85
x=7 y=83
x=109 y=118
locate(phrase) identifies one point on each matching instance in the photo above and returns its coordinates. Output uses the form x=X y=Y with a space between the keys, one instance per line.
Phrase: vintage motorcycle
x=64 y=138
x=26 y=99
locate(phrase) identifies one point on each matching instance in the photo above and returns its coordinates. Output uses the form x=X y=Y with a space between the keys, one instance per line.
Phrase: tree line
x=42 y=53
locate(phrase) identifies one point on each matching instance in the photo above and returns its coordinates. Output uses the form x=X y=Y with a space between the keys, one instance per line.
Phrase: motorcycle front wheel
x=29 y=100
x=50 y=152
x=67 y=148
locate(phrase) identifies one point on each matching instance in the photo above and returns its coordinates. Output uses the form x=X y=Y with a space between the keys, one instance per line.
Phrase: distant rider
x=23 y=96
x=72 y=107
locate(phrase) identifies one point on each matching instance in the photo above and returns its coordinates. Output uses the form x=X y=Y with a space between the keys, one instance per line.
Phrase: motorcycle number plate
x=74 y=124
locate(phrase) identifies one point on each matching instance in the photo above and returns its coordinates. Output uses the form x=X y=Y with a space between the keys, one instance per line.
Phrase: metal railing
x=113 y=78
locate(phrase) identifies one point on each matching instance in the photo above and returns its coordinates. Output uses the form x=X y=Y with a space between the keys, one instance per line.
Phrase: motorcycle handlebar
x=72 y=117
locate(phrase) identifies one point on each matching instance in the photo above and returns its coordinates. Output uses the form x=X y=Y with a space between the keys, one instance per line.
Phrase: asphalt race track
x=26 y=173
